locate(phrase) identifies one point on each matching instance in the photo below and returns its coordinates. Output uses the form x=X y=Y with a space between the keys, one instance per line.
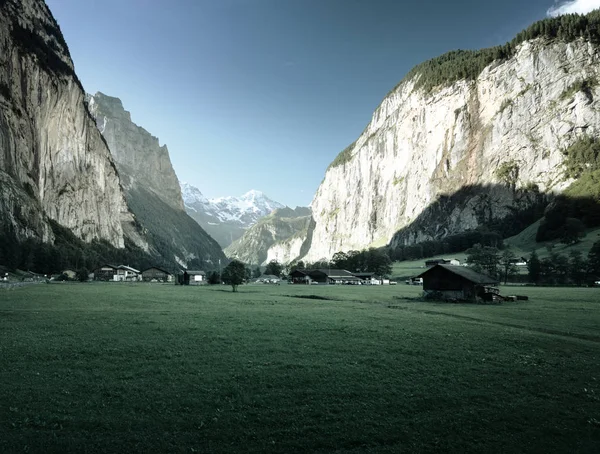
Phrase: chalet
x=434 y=262
x=366 y=278
x=156 y=274
x=194 y=277
x=106 y=273
x=457 y=282
x=127 y=274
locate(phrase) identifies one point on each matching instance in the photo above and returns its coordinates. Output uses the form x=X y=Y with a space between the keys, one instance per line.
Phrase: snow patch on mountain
x=245 y=210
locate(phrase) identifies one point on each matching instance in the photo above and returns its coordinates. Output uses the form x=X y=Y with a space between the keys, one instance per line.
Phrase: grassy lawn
x=152 y=368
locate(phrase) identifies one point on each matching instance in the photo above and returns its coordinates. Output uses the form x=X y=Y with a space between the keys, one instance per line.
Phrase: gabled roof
x=195 y=272
x=108 y=265
x=157 y=268
x=464 y=272
x=128 y=268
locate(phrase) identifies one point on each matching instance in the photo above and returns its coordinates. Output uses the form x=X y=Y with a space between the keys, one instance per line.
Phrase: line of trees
x=555 y=269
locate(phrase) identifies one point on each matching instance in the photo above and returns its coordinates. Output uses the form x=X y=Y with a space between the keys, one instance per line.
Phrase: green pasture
x=89 y=368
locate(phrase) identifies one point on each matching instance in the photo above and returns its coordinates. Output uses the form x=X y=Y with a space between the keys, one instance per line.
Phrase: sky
x=263 y=94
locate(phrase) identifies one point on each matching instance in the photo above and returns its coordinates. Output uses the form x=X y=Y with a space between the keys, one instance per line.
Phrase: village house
x=156 y=274
x=127 y=274
x=457 y=283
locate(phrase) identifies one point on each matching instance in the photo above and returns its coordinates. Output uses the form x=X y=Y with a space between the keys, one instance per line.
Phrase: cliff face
x=278 y=236
x=137 y=153
x=151 y=188
x=54 y=164
x=502 y=132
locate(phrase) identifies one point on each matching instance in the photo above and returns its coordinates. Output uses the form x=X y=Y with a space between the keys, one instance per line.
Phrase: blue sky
x=263 y=94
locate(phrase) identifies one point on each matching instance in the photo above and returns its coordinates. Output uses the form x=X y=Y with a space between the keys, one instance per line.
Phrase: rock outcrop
x=279 y=236
x=54 y=163
x=502 y=133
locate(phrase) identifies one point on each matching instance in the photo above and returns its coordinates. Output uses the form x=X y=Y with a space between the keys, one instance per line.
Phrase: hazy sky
x=263 y=94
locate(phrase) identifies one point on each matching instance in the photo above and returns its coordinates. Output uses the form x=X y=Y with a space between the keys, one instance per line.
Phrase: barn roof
x=464 y=272
x=334 y=273
x=193 y=273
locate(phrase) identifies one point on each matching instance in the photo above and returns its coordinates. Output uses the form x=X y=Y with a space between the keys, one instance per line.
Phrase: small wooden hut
x=457 y=282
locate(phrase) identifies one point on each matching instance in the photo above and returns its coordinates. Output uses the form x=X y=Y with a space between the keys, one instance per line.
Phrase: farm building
x=327 y=276
x=106 y=273
x=300 y=277
x=194 y=277
x=434 y=262
x=155 y=274
x=457 y=282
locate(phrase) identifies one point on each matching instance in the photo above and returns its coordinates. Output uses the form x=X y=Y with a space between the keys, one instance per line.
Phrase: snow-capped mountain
x=226 y=218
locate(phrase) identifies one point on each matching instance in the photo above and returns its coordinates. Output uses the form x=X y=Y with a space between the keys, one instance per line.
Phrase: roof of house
x=464 y=272
x=108 y=265
x=334 y=273
x=195 y=272
x=156 y=268
x=128 y=268
x=363 y=274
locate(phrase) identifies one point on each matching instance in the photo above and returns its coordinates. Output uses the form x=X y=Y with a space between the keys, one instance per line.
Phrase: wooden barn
x=300 y=277
x=156 y=274
x=457 y=282
x=193 y=278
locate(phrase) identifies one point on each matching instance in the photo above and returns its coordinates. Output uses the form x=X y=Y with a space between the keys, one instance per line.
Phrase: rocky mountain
x=226 y=218
x=151 y=186
x=464 y=140
x=55 y=167
x=279 y=236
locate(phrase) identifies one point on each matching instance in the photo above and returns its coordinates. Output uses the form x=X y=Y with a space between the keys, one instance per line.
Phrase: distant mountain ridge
x=227 y=218
x=281 y=236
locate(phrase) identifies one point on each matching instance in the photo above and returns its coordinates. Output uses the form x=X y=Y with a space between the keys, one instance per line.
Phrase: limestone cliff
x=279 y=236
x=54 y=164
x=501 y=132
x=151 y=187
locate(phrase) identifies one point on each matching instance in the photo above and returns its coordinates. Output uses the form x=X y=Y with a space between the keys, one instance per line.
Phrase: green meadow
x=92 y=368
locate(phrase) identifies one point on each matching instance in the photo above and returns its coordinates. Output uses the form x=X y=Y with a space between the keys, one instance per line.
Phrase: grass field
x=152 y=368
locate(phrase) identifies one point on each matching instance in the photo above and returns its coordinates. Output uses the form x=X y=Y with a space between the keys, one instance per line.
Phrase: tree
x=594 y=262
x=339 y=260
x=577 y=267
x=83 y=275
x=378 y=262
x=534 y=268
x=234 y=274
x=573 y=231
x=256 y=272
x=484 y=259
x=213 y=278
x=507 y=262
x=274 y=267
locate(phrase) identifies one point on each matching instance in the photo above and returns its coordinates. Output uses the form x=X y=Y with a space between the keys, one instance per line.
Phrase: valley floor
x=161 y=368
